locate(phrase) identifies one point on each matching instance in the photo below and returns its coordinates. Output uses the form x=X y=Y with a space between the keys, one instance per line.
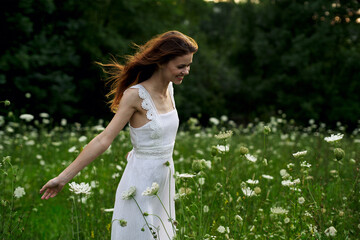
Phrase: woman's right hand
x=51 y=188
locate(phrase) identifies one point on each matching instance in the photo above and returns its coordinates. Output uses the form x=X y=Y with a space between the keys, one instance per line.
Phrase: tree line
x=254 y=58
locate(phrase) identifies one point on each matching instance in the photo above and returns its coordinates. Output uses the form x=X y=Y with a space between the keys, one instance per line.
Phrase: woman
x=143 y=96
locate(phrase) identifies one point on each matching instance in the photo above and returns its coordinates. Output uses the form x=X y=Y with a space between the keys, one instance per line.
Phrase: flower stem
x=142 y=214
x=173 y=227
x=162 y=224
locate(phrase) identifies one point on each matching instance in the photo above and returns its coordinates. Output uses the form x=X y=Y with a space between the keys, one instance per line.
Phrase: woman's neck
x=157 y=84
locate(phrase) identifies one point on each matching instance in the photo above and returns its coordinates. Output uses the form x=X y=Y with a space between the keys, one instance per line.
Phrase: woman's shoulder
x=131 y=95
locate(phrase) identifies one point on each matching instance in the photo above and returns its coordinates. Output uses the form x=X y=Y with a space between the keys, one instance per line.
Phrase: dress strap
x=151 y=112
x=171 y=91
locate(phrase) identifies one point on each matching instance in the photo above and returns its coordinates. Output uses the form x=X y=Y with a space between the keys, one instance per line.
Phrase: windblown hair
x=141 y=66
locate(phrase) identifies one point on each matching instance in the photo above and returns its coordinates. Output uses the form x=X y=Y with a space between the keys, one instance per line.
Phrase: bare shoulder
x=131 y=98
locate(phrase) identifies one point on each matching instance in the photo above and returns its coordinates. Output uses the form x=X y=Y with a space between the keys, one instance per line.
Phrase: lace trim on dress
x=151 y=114
x=163 y=152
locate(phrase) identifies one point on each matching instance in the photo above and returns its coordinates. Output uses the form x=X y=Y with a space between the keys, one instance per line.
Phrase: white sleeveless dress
x=149 y=161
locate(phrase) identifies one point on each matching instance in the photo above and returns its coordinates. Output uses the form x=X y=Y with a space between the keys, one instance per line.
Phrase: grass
x=211 y=205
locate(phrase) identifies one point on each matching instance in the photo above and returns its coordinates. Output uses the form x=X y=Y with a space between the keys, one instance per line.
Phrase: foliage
x=318 y=190
x=254 y=58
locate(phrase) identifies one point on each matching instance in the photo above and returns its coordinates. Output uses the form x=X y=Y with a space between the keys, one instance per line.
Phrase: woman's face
x=176 y=69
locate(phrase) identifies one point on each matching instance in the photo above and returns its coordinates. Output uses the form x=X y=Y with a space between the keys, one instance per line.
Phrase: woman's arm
x=128 y=105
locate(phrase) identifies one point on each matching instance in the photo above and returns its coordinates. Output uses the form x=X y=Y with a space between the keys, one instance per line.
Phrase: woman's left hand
x=51 y=188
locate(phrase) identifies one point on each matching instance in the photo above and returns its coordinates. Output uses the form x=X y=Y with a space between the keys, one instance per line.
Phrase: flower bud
x=244 y=150
x=6 y=102
x=339 y=153
x=238 y=218
x=257 y=190
x=122 y=222
x=267 y=130
x=198 y=165
x=214 y=151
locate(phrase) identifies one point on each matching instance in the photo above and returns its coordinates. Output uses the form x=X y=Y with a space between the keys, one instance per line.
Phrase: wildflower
x=250 y=181
x=28 y=95
x=6 y=102
x=290 y=165
x=267 y=176
x=63 y=122
x=115 y=175
x=331 y=231
x=129 y=193
x=72 y=149
x=257 y=190
x=206 y=208
x=238 y=218
x=224 y=135
x=201 y=181
x=56 y=144
x=297 y=181
x=218 y=186
x=198 y=165
x=299 y=154
x=267 y=130
x=286 y=220
x=278 y=210
x=82 y=139
x=183 y=192
x=214 y=121
x=80 y=188
x=122 y=222
x=339 y=153
x=30 y=143
x=284 y=174
x=27 y=117
x=19 y=192
x=224 y=118
x=44 y=115
x=307 y=214
x=185 y=175
x=222 y=148
x=334 y=138
x=251 y=158
x=108 y=210
x=153 y=190
x=221 y=229
x=287 y=183
x=248 y=192
x=301 y=200
x=243 y=150
x=305 y=164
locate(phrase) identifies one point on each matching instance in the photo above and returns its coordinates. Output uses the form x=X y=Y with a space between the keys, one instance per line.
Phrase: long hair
x=141 y=66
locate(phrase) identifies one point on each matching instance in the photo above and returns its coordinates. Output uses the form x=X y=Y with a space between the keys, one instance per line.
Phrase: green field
x=268 y=194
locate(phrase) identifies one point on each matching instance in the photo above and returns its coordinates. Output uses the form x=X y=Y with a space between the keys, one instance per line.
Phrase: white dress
x=149 y=161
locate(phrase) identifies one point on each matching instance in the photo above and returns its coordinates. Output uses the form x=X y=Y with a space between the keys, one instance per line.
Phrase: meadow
x=265 y=180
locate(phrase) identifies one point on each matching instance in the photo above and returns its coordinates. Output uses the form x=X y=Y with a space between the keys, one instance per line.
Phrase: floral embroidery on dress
x=151 y=114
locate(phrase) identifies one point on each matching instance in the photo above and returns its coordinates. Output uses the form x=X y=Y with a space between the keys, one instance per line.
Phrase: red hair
x=141 y=66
